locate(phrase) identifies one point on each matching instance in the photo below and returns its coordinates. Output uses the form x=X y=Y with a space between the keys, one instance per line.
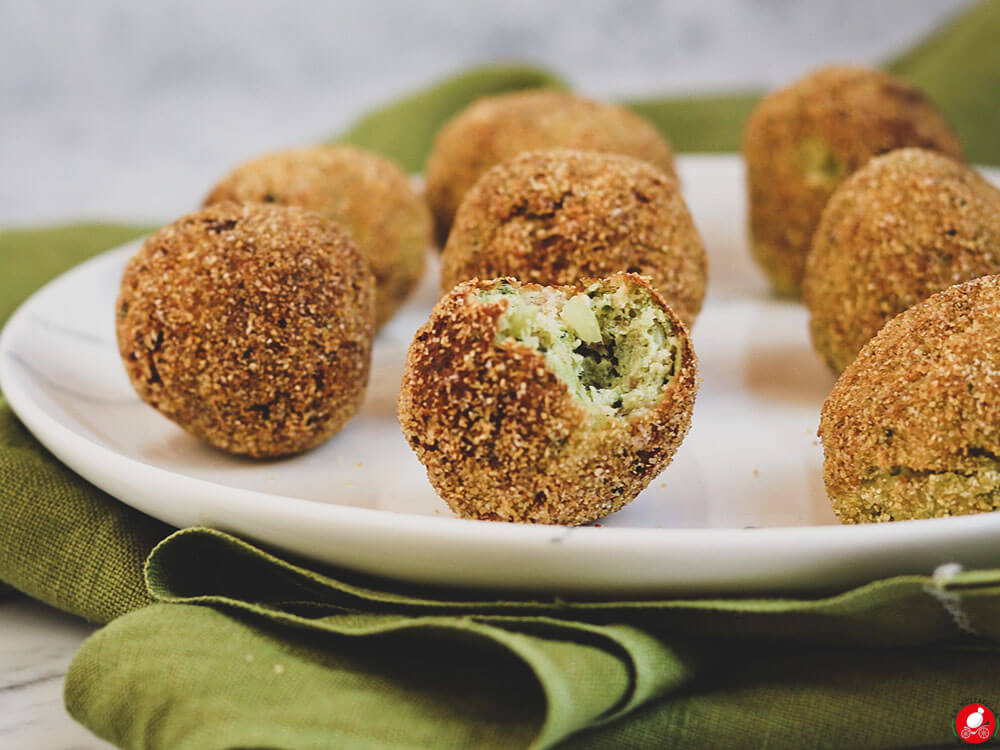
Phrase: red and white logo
x=975 y=723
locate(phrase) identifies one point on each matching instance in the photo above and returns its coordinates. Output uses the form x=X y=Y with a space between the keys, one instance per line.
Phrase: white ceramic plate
x=363 y=501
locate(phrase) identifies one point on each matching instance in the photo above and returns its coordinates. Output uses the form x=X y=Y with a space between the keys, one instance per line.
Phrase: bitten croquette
x=556 y=216
x=547 y=404
x=494 y=128
x=250 y=326
x=802 y=141
x=906 y=225
x=366 y=194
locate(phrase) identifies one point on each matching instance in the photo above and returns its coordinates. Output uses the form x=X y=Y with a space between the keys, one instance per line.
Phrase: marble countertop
x=132 y=111
x=36 y=646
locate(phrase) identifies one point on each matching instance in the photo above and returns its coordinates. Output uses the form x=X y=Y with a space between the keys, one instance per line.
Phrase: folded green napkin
x=248 y=650
x=959 y=67
x=244 y=650
x=62 y=540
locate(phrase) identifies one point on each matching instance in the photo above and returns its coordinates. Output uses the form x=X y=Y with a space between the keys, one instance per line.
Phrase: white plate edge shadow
x=587 y=561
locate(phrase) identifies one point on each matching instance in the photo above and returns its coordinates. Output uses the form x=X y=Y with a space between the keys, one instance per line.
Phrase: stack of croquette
x=555 y=377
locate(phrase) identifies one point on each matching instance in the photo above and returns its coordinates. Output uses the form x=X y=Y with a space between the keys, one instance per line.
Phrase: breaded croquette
x=554 y=217
x=494 y=128
x=904 y=226
x=912 y=427
x=366 y=194
x=250 y=326
x=802 y=141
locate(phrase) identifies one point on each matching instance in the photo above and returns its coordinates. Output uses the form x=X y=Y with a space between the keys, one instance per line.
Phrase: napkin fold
x=246 y=649
x=225 y=645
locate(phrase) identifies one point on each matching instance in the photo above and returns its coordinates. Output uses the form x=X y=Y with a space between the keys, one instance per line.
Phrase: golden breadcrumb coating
x=494 y=128
x=500 y=432
x=801 y=141
x=912 y=427
x=250 y=326
x=366 y=194
x=556 y=216
x=906 y=225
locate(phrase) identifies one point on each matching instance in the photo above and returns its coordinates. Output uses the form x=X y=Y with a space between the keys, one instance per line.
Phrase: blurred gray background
x=132 y=110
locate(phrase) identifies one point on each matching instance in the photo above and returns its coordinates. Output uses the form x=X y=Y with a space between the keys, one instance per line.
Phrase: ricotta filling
x=612 y=345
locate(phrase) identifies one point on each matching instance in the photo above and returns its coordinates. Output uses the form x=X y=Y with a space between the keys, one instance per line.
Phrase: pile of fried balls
x=556 y=377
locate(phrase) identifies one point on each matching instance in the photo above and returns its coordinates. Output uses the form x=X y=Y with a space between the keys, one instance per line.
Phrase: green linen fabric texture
x=242 y=649
x=62 y=540
x=246 y=649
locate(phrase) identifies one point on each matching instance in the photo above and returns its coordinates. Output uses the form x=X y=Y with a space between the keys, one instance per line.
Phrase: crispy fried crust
x=801 y=141
x=250 y=326
x=366 y=194
x=912 y=427
x=503 y=439
x=906 y=225
x=553 y=217
x=494 y=128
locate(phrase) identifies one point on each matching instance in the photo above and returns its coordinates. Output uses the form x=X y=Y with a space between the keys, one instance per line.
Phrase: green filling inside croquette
x=820 y=165
x=905 y=493
x=613 y=346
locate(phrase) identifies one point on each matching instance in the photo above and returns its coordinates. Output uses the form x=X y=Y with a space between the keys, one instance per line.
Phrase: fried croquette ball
x=801 y=141
x=494 y=128
x=250 y=326
x=553 y=217
x=912 y=427
x=906 y=225
x=547 y=404
x=366 y=194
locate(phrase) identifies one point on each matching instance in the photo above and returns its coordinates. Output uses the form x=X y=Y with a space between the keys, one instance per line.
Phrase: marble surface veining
x=133 y=110
x=36 y=646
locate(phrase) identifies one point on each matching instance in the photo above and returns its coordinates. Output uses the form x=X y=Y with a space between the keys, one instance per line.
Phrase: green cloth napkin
x=958 y=67
x=964 y=87
x=244 y=650
x=62 y=540
x=249 y=650
x=405 y=129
